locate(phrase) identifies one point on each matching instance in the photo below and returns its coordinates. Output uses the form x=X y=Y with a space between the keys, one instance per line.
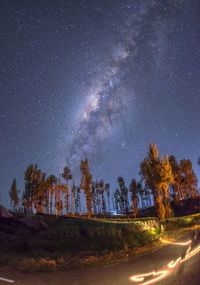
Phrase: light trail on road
x=167 y=269
x=7 y=280
x=176 y=243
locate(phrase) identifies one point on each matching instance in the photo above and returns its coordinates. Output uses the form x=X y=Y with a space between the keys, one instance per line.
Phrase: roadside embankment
x=47 y=243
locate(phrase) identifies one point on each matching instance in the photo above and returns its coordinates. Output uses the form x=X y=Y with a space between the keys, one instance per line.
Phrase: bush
x=31 y=265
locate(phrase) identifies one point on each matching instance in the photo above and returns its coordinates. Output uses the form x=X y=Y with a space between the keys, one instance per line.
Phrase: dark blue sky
x=99 y=79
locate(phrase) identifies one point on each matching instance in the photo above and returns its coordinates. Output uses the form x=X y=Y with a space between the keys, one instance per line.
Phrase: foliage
x=158 y=175
x=86 y=181
x=185 y=181
x=13 y=194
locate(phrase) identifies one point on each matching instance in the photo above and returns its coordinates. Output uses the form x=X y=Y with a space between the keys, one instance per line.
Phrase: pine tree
x=86 y=180
x=67 y=176
x=123 y=195
x=189 y=183
x=42 y=193
x=27 y=198
x=140 y=191
x=133 y=191
x=73 y=196
x=93 y=193
x=102 y=189
x=117 y=199
x=176 y=187
x=14 y=199
x=107 y=190
x=185 y=181
x=51 y=182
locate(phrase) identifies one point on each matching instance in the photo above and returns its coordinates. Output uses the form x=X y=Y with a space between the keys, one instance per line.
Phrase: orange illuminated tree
x=157 y=174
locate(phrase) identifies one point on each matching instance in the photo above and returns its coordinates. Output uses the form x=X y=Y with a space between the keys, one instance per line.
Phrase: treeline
x=163 y=180
x=168 y=180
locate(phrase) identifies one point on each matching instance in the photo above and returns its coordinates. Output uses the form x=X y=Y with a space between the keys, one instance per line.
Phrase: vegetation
x=47 y=243
x=49 y=230
x=13 y=194
x=165 y=184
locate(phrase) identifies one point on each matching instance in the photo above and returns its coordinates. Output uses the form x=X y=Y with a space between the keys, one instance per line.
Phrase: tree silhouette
x=123 y=195
x=27 y=198
x=107 y=190
x=117 y=198
x=141 y=192
x=133 y=191
x=102 y=189
x=42 y=193
x=77 y=201
x=176 y=186
x=13 y=193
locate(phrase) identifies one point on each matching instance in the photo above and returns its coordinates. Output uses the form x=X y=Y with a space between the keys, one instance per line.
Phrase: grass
x=67 y=242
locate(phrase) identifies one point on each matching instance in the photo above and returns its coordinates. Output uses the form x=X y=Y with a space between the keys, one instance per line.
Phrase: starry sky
x=99 y=79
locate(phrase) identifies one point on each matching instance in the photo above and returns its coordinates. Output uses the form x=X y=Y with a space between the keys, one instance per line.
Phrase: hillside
x=46 y=243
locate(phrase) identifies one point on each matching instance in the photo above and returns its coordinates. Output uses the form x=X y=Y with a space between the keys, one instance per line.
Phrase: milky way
x=109 y=99
x=99 y=79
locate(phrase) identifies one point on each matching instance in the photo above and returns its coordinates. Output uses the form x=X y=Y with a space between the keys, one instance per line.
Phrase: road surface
x=188 y=273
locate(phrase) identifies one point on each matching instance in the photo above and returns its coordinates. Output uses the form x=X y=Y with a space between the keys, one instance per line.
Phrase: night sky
x=99 y=79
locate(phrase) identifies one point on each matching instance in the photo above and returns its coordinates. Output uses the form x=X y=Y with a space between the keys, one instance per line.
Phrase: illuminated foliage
x=185 y=181
x=189 y=183
x=51 y=182
x=158 y=175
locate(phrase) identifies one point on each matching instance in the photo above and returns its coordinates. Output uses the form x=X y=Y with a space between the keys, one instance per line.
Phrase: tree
x=189 y=183
x=93 y=193
x=14 y=199
x=51 y=182
x=102 y=189
x=67 y=176
x=147 y=196
x=176 y=186
x=122 y=198
x=73 y=196
x=35 y=182
x=98 y=197
x=117 y=200
x=166 y=178
x=141 y=192
x=42 y=193
x=133 y=191
x=107 y=190
x=123 y=195
x=185 y=181
x=77 y=201
x=27 y=198
x=86 y=180
x=58 y=191
x=157 y=173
